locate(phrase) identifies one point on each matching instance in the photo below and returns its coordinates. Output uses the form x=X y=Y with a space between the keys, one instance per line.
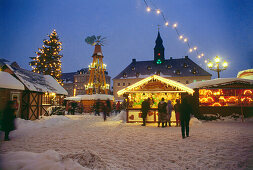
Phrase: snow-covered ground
x=87 y=142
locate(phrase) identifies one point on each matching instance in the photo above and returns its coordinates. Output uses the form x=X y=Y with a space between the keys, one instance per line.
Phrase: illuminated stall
x=155 y=88
x=224 y=96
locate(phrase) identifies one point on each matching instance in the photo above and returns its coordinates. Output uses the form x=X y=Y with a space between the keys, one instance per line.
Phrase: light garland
x=152 y=7
x=169 y=82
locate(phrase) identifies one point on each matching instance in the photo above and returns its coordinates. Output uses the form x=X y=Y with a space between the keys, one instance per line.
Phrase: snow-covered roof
x=7 y=81
x=169 y=82
x=38 y=82
x=246 y=74
x=218 y=82
x=90 y=97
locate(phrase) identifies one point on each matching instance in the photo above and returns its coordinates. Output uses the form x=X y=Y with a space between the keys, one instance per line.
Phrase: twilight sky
x=216 y=27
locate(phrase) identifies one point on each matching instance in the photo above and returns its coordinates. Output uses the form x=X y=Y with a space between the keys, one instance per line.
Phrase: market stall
x=224 y=96
x=86 y=102
x=155 y=88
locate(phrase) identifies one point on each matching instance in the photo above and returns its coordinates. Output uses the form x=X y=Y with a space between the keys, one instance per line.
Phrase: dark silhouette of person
x=145 y=107
x=8 y=124
x=185 y=110
x=118 y=107
x=97 y=107
x=176 y=107
x=162 y=112
x=108 y=107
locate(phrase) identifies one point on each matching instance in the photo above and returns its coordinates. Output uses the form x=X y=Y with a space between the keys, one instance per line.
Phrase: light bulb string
x=175 y=26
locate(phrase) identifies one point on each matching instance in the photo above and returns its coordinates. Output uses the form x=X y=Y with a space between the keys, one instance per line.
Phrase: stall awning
x=174 y=84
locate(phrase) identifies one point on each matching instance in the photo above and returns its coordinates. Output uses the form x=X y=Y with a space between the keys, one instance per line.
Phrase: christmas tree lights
x=47 y=61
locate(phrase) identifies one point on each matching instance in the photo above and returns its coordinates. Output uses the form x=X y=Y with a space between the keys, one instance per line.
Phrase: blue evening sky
x=217 y=27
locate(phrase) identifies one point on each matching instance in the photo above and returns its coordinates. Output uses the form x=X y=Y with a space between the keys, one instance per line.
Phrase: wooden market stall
x=87 y=101
x=155 y=88
x=10 y=89
x=224 y=96
x=40 y=93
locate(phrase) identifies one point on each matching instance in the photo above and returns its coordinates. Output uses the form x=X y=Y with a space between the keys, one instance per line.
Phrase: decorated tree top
x=47 y=61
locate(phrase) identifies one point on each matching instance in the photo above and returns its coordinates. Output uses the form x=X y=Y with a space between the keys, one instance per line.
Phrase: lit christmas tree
x=47 y=61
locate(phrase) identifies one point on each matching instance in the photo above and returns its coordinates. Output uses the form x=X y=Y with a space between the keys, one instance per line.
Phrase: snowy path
x=115 y=145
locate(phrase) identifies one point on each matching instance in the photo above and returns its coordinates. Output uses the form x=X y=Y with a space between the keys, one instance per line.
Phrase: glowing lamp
x=210 y=64
x=166 y=23
x=217 y=59
x=185 y=40
x=195 y=48
x=174 y=25
x=158 y=11
x=225 y=64
x=148 y=9
x=190 y=50
x=181 y=37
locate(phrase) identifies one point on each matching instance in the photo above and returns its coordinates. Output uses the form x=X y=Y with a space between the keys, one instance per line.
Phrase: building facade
x=74 y=82
x=182 y=70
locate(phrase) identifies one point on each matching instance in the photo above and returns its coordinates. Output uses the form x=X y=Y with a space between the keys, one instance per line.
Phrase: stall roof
x=218 y=82
x=38 y=82
x=246 y=74
x=7 y=81
x=90 y=97
x=172 y=83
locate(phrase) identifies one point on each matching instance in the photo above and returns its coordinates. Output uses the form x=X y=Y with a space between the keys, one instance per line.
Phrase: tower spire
x=159 y=49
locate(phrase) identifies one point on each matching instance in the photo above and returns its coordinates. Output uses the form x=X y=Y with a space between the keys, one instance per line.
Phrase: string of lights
x=151 y=7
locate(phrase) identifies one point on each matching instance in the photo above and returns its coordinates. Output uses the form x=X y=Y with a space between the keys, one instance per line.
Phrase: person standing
x=145 y=106
x=8 y=119
x=97 y=107
x=185 y=111
x=169 y=109
x=176 y=107
x=108 y=107
x=118 y=107
x=162 y=112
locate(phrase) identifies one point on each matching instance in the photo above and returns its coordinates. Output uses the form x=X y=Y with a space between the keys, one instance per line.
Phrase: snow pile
x=121 y=116
x=90 y=97
x=50 y=160
x=195 y=122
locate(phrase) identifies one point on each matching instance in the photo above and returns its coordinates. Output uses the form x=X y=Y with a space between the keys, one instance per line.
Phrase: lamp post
x=217 y=67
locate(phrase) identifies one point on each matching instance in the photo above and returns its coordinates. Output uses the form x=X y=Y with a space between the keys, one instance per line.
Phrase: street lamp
x=215 y=66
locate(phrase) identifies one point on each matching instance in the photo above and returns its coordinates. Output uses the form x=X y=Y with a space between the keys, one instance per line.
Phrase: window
x=158 y=73
x=169 y=66
x=194 y=81
x=128 y=84
x=118 y=84
x=132 y=68
x=124 y=75
x=194 y=71
x=177 y=72
x=187 y=82
x=149 y=67
x=137 y=74
x=124 y=84
x=185 y=65
x=46 y=99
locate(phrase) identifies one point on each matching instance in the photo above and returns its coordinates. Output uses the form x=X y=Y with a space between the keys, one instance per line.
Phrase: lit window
x=185 y=65
x=169 y=66
x=149 y=67
x=133 y=68
x=137 y=74
x=194 y=81
x=124 y=75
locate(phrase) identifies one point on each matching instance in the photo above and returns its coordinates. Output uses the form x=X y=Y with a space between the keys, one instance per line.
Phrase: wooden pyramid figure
x=97 y=83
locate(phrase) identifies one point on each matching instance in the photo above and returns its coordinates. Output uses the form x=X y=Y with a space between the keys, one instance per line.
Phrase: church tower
x=159 y=50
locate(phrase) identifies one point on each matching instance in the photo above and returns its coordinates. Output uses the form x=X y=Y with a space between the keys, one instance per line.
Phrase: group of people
x=182 y=113
x=106 y=108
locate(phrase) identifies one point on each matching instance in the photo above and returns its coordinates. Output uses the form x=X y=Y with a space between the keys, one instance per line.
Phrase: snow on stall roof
x=217 y=82
x=246 y=74
x=7 y=81
x=90 y=97
x=38 y=82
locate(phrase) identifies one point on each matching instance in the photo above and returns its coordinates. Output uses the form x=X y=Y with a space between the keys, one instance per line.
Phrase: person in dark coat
x=162 y=112
x=108 y=107
x=176 y=107
x=8 y=124
x=185 y=112
x=145 y=107
x=97 y=107
x=118 y=107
